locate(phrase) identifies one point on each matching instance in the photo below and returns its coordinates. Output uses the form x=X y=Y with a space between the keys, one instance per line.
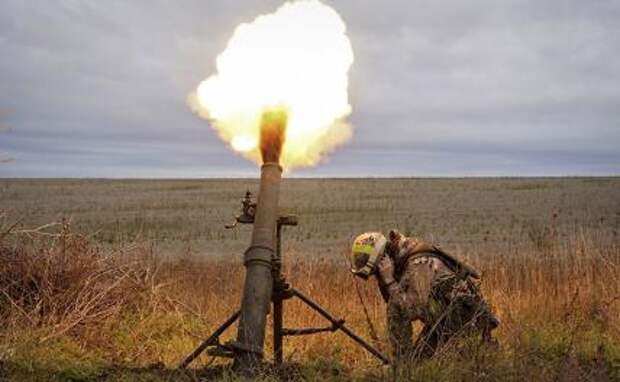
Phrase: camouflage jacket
x=435 y=288
x=416 y=277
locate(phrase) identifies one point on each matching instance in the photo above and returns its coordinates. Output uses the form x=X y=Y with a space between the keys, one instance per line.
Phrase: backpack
x=460 y=268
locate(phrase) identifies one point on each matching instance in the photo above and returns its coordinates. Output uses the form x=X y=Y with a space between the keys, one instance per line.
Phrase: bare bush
x=57 y=280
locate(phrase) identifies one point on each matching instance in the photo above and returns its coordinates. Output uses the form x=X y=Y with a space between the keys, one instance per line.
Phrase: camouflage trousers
x=456 y=306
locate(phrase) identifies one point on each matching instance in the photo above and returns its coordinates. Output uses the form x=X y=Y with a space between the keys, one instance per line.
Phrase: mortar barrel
x=258 y=282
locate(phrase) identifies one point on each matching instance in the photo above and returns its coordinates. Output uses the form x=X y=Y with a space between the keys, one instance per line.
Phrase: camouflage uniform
x=429 y=290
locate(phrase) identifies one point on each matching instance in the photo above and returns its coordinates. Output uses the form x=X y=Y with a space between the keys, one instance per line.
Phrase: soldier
x=421 y=282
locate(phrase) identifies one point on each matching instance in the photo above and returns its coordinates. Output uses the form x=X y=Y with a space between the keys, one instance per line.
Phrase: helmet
x=367 y=248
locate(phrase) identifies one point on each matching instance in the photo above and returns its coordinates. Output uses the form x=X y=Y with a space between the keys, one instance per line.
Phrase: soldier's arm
x=403 y=294
x=406 y=297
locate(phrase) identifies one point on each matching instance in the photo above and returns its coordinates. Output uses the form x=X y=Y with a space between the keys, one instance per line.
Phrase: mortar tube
x=258 y=285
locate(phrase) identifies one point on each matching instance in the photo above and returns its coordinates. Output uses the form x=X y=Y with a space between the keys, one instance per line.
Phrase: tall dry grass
x=68 y=303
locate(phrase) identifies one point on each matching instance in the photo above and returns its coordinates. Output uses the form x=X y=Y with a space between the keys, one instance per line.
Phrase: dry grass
x=145 y=271
x=72 y=309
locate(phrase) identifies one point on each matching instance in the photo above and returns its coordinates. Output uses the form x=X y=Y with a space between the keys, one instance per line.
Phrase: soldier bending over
x=421 y=282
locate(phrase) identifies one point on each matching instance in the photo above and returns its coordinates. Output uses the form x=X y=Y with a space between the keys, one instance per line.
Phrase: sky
x=438 y=88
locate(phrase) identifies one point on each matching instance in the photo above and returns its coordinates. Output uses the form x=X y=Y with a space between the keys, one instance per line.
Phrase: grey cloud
x=447 y=88
x=5 y=158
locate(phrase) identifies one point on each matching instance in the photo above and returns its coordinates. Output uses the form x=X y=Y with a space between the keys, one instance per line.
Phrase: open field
x=458 y=213
x=127 y=289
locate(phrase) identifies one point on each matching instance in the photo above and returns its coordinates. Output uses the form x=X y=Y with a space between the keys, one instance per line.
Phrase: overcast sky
x=438 y=88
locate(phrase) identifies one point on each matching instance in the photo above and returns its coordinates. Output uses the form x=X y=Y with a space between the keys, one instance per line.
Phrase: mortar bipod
x=282 y=290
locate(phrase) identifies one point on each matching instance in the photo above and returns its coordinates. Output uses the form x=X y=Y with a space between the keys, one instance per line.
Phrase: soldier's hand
x=385 y=268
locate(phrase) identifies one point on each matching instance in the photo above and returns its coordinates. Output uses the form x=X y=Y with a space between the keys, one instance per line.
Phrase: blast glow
x=296 y=59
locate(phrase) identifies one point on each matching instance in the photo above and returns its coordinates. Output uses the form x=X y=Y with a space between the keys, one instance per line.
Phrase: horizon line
x=320 y=177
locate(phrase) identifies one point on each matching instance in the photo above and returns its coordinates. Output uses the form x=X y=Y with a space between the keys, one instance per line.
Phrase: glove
x=385 y=269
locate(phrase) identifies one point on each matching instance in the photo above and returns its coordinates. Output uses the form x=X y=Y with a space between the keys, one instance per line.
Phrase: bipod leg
x=339 y=324
x=278 y=357
x=212 y=340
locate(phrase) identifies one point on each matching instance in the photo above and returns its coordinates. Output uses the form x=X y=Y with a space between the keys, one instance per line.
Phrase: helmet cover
x=366 y=250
